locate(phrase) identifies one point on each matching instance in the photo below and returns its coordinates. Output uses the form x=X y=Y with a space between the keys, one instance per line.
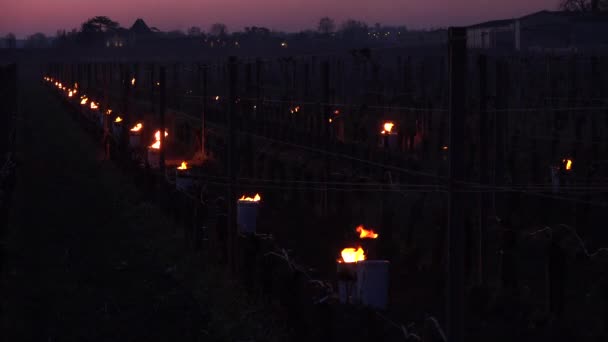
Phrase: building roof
x=493 y=23
x=571 y=15
x=140 y=27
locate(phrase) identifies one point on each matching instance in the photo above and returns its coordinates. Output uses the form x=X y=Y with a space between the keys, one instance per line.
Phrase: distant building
x=138 y=32
x=542 y=31
x=496 y=34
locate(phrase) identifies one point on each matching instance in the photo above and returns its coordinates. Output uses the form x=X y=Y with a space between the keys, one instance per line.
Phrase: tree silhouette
x=195 y=31
x=95 y=29
x=99 y=24
x=326 y=25
x=584 y=5
x=37 y=41
x=174 y=34
x=257 y=32
x=353 y=29
x=218 y=30
x=10 y=41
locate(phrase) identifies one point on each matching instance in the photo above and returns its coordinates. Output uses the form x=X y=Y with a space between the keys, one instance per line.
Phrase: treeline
x=101 y=30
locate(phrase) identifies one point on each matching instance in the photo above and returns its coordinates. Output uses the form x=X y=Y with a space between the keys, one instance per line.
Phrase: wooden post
x=325 y=115
x=258 y=79
x=126 y=84
x=231 y=158
x=455 y=256
x=483 y=171
x=106 y=105
x=499 y=129
x=162 y=108
x=152 y=88
x=203 y=69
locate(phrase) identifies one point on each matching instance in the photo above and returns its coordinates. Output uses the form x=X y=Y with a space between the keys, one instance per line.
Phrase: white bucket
x=347 y=283
x=393 y=142
x=116 y=130
x=372 y=283
x=153 y=158
x=183 y=181
x=247 y=215
x=134 y=140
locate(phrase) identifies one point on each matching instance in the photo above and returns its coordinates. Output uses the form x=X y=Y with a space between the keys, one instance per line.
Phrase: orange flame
x=256 y=198
x=93 y=105
x=108 y=112
x=118 y=119
x=184 y=166
x=366 y=233
x=388 y=127
x=133 y=81
x=137 y=127
x=217 y=98
x=84 y=101
x=70 y=93
x=567 y=164
x=350 y=255
x=156 y=144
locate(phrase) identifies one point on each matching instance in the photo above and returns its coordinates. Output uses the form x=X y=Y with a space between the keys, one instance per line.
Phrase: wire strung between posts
x=546 y=109
x=351 y=189
x=344 y=156
x=313 y=103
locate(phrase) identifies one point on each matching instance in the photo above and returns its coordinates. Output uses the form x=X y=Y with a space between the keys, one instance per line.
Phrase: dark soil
x=82 y=255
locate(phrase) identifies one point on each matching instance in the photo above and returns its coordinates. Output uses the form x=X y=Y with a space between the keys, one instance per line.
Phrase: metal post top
x=457 y=33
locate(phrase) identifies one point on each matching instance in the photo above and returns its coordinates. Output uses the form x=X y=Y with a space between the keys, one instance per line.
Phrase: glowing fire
x=256 y=198
x=75 y=91
x=184 y=166
x=156 y=145
x=108 y=112
x=366 y=233
x=294 y=110
x=70 y=93
x=137 y=127
x=94 y=105
x=118 y=119
x=133 y=81
x=388 y=127
x=217 y=98
x=567 y=164
x=350 y=255
x=84 y=101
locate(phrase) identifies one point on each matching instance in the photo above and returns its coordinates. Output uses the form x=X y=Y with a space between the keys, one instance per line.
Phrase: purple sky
x=24 y=17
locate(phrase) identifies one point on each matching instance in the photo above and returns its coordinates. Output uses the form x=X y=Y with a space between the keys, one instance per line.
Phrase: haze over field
x=24 y=17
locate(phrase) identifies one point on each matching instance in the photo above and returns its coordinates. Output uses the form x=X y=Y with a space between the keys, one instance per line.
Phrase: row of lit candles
x=94 y=105
x=348 y=255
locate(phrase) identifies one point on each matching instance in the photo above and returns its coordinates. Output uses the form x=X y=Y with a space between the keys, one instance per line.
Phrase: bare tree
x=326 y=25
x=37 y=41
x=10 y=41
x=99 y=24
x=218 y=30
x=174 y=34
x=583 y=5
x=353 y=29
x=195 y=31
